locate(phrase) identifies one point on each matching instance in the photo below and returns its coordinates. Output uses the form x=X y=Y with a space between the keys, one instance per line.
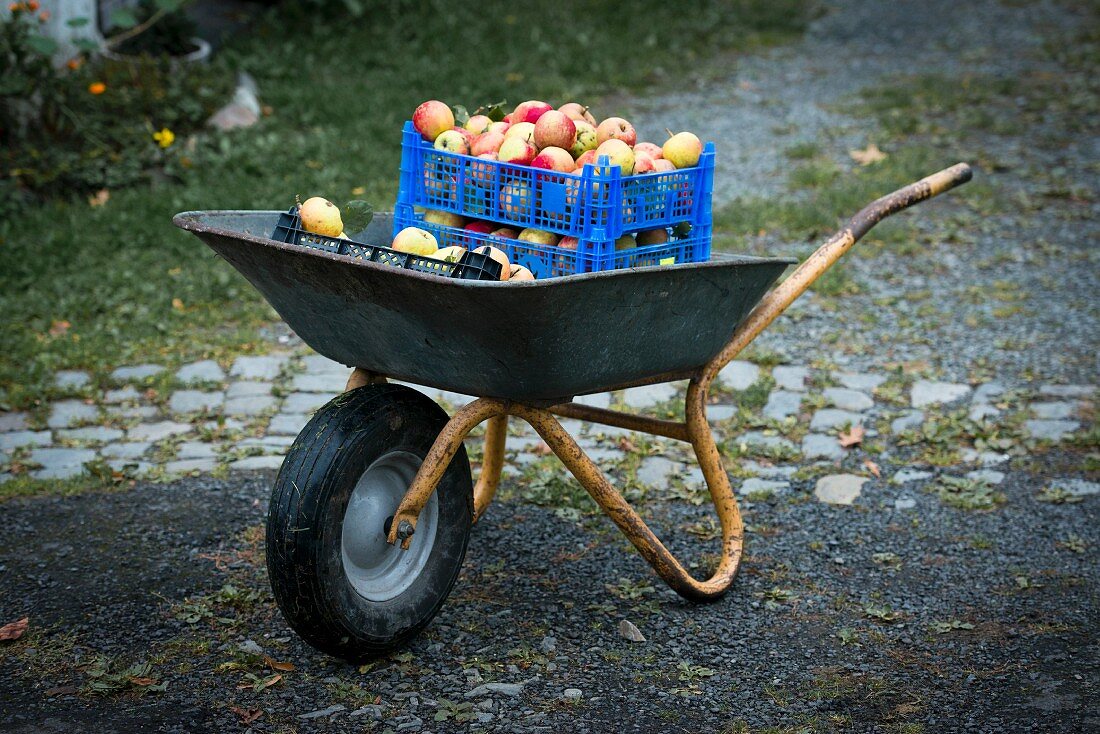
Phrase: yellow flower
x=165 y=137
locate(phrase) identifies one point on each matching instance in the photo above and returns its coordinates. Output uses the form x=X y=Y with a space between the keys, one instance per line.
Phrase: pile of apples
x=561 y=140
x=321 y=216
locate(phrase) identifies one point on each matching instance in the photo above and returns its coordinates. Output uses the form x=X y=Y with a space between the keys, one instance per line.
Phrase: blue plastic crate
x=549 y=261
x=598 y=204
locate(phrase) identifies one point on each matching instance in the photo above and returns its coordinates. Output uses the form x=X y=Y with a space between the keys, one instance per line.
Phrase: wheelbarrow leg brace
x=492 y=462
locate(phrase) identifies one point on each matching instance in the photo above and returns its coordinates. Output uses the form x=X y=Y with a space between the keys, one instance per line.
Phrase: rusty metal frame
x=694 y=429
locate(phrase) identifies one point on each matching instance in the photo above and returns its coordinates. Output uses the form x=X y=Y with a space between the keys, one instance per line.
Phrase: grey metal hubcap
x=377 y=570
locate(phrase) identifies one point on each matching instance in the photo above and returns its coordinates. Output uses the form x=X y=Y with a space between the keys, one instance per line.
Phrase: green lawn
x=132 y=288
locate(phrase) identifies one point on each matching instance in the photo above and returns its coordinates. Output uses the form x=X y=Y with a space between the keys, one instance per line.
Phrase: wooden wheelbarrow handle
x=816 y=264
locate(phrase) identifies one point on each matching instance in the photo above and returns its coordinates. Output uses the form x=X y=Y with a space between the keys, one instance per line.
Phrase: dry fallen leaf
x=177 y=304
x=139 y=681
x=873 y=468
x=247 y=715
x=58 y=328
x=852 y=437
x=625 y=444
x=541 y=449
x=867 y=156
x=99 y=198
x=14 y=630
x=276 y=665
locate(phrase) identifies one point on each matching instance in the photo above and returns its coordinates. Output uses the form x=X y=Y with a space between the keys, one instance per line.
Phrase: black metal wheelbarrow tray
x=372 y=508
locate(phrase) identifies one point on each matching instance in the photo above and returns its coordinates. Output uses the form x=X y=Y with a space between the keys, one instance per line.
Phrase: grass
x=132 y=288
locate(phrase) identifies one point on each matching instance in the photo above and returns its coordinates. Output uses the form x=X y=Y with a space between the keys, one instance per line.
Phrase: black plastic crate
x=471 y=266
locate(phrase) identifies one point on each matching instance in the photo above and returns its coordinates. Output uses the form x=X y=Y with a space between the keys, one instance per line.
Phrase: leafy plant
x=105 y=678
x=967 y=494
x=951 y=625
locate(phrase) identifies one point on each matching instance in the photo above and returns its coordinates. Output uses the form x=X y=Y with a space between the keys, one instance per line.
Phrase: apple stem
x=670 y=133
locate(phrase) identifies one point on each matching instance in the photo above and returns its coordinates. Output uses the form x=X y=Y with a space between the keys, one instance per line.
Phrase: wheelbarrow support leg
x=492 y=463
x=436 y=463
x=622 y=514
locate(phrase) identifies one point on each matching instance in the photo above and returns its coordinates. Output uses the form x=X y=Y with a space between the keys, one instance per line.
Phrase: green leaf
x=461 y=115
x=168 y=5
x=494 y=111
x=85 y=44
x=42 y=44
x=123 y=18
x=77 y=22
x=357 y=214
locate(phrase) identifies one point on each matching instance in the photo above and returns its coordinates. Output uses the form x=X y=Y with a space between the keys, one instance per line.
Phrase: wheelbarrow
x=371 y=512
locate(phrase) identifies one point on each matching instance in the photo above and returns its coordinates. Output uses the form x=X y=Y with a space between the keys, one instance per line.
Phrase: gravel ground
x=896 y=614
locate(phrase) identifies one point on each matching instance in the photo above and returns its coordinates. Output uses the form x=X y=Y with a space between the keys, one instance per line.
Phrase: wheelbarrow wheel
x=337 y=581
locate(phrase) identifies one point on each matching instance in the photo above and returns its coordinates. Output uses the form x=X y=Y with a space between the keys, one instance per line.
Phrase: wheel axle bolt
x=405 y=530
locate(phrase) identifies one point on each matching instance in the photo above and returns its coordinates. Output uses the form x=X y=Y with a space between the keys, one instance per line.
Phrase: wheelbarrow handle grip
x=813 y=267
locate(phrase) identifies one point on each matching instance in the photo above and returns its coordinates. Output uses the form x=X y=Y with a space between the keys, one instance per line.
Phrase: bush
x=92 y=123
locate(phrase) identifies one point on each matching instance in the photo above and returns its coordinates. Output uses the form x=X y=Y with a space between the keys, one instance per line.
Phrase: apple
x=683 y=149
x=453 y=141
x=519 y=274
x=651 y=149
x=530 y=111
x=575 y=111
x=479 y=227
x=499 y=127
x=500 y=257
x=514 y=198
x=625 y=242
x=321 y=216
x=556 y=130
x=538 y=236
x=616 y=128
x=643 y=163
x=618 y=154
x=432 y=118
x=466 y=134
x=661 y=165
x=450 y=254
x=482 y=173
x=652 y=237
x=586 y=139
x=569 y=243
x=589 y=156
x=517 y=150
x=506 y=233
x=416 y=241
x=478 y=124
x=554 y=159
x=487 y=142
x=446 y=219
x=522 y=130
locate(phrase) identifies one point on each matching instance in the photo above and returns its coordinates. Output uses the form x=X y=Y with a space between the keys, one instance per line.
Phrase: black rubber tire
x=306 y=515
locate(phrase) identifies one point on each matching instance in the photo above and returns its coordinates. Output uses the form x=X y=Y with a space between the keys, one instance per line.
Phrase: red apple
x=642 y=163
x=662 y=166
x=568 y=243
x=487 y=142
x=479 y=227
x=554 y=159
x=524 y=130
x=432 y=118
x=506 y=233
x=515 y=197
x=465 y=133
x=499 y=127
x=616 y=128
x=516 y=150
x=500 y=257
x=520 y=274
x=575 y=111
x=482 y=173
x=651 y=149
x=556 y=130
x=589 y=156
x=529 y=111
x=452 y=141
x=478 y=124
